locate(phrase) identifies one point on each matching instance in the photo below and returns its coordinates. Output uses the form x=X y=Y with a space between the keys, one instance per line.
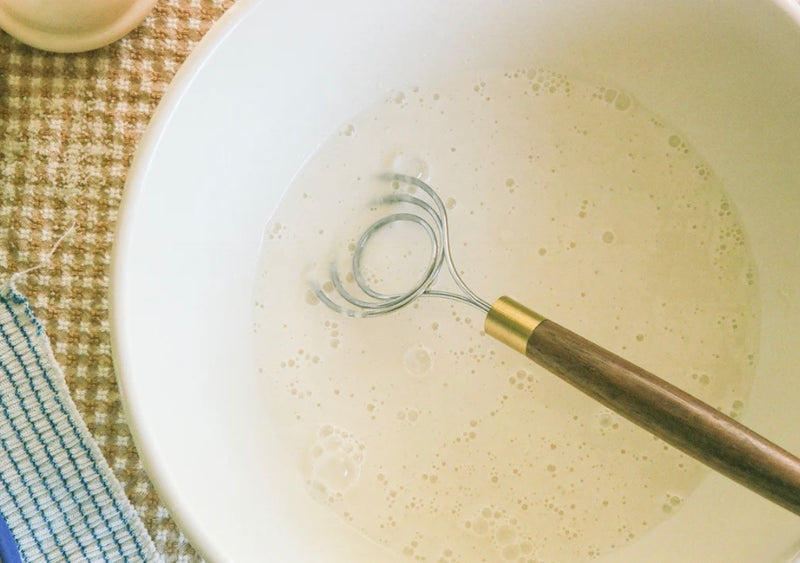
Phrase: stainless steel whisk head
x=431 y=215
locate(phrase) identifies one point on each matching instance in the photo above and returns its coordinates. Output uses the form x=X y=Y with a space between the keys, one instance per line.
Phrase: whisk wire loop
x=432 y=218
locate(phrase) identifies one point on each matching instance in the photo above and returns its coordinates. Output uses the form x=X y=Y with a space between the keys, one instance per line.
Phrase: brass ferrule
x=511 y=323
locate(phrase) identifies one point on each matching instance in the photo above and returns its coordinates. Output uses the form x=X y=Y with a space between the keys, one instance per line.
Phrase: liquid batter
x=437 y=441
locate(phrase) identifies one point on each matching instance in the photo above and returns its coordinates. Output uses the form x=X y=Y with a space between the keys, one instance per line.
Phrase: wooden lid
x=71 y=26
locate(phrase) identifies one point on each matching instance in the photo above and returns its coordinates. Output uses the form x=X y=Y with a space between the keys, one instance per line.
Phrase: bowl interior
x=272 y=81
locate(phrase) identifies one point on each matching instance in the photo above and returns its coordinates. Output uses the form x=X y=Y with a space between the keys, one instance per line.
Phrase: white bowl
x=272 y=80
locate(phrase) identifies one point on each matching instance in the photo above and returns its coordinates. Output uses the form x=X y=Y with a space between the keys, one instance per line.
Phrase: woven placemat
x=69 y=126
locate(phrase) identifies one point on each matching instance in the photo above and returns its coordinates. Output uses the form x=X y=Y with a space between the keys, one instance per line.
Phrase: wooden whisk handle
x=673 y=415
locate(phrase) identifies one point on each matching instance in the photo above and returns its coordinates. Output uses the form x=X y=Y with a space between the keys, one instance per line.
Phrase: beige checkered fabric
x=69 y=126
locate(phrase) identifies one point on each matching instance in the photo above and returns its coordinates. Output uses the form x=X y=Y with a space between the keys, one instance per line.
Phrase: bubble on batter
x=410 y=165
x=671 y=503
x=348 y=130
x=736 y=409
x=701 y=377
x=622 y=101
x=478 y=526
x=398 y=98
x=334 y=463
x=418 y=361
x=505 y=534
x=311 y=297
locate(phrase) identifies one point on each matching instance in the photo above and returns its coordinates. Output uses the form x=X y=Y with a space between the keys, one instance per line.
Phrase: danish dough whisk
x=666 y=411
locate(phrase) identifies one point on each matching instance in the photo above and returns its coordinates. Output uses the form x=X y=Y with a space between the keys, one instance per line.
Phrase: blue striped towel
x=58 y=495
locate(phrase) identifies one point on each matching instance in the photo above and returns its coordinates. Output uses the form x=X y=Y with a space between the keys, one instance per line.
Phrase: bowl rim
x=134 y=186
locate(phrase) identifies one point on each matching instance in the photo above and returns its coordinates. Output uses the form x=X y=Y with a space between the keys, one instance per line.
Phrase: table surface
x=69 y=127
